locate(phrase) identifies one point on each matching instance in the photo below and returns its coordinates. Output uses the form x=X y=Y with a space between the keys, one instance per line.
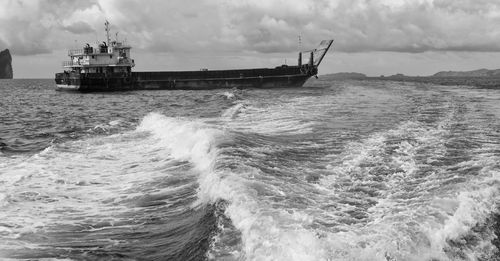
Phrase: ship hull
x=280 y=77
x=97 y=82
x=223 y=83
x=67 y=87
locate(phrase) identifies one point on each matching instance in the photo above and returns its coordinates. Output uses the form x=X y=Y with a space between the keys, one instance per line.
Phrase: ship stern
x=67 y=81
x=96 y=82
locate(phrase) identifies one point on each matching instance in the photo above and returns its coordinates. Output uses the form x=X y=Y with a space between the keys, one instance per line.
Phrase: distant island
x=480 y=78
x=6 y=65
x=476 y=73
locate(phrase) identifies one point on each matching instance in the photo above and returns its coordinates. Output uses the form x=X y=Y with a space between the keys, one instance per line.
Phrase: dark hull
x=280 y=77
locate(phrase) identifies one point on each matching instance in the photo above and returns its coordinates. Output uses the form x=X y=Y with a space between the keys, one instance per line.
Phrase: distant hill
x=5 y=65
x=398 y=75
x=482 y=78
x=475 y=73
x=345 y=75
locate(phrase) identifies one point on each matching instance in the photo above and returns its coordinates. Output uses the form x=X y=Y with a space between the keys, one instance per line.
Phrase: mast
x=106 y=24
x=300 y=52
x=300 y=44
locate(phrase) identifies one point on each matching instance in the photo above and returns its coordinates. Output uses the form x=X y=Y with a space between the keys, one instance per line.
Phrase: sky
x=375 y=37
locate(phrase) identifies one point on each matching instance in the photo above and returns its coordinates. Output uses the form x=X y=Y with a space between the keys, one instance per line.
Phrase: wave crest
x=186 y=140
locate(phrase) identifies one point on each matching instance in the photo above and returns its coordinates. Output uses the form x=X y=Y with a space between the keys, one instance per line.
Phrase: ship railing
x=99 y=63
x=88 y=63
x=243 y=73
x=75 y=52
x=70 y=63
x=83 y=62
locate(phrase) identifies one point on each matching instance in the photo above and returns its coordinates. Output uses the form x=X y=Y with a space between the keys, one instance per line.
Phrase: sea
x=335 y=170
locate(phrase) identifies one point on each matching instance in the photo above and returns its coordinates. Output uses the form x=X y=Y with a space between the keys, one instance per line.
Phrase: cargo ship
x=108 y=67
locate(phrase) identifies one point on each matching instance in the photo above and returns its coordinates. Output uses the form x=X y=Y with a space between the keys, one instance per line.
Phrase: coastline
x=475 y=81
x=491 y=82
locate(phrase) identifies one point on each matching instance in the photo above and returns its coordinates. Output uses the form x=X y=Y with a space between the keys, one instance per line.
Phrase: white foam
x=284 y=116
x=262 y=231
x=270 y=231
x=412 y=218
x=100 y=178
x=228 y=95
x=116 y=122
x=398 y=227
x=266 y=234
x=232 y=111
x=470 y=208
x=430 y=226
x=187 y=140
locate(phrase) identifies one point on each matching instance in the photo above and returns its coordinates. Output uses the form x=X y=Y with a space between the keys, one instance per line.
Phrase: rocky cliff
x=5 y=65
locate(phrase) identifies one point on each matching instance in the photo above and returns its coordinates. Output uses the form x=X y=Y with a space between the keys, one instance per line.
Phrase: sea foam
x=186 y=139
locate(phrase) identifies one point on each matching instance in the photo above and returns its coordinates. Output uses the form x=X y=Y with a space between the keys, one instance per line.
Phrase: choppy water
x=347 y=170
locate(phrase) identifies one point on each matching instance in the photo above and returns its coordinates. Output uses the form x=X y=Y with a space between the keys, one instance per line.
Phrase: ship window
x=92 y=57
x=111 y=56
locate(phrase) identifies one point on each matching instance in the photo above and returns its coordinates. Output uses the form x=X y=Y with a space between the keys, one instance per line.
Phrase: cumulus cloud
x=35 y=27
x=419 y=26
x=254 y=26
x=79 y=28
x=365 y=25
x=273 y=26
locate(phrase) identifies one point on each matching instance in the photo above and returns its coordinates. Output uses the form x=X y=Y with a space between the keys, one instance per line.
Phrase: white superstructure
x=107 y=57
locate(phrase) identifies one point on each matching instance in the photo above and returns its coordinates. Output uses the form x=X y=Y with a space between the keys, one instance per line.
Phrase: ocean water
x=336 y=170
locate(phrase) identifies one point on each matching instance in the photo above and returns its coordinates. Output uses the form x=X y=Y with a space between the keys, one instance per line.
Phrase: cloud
x=366 y=26
x=37 y=27
x=25 y=41
x=79 y=28
x=418 y=27
x=254 y=26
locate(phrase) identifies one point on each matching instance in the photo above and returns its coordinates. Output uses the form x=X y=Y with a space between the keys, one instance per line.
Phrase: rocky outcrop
x=6 y=65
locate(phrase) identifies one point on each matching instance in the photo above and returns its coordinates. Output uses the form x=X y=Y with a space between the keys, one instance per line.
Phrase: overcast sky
x=414 y=37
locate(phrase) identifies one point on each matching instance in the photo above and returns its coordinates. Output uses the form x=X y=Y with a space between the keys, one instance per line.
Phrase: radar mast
x=106 y=24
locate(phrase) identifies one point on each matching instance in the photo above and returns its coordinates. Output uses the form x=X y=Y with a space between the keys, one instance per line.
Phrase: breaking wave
x=355 y=173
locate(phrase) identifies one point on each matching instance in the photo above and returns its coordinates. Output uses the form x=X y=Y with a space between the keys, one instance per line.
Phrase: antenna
x=300 y=52
x=116 y=36
x=106 y=24
x=300 y=44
